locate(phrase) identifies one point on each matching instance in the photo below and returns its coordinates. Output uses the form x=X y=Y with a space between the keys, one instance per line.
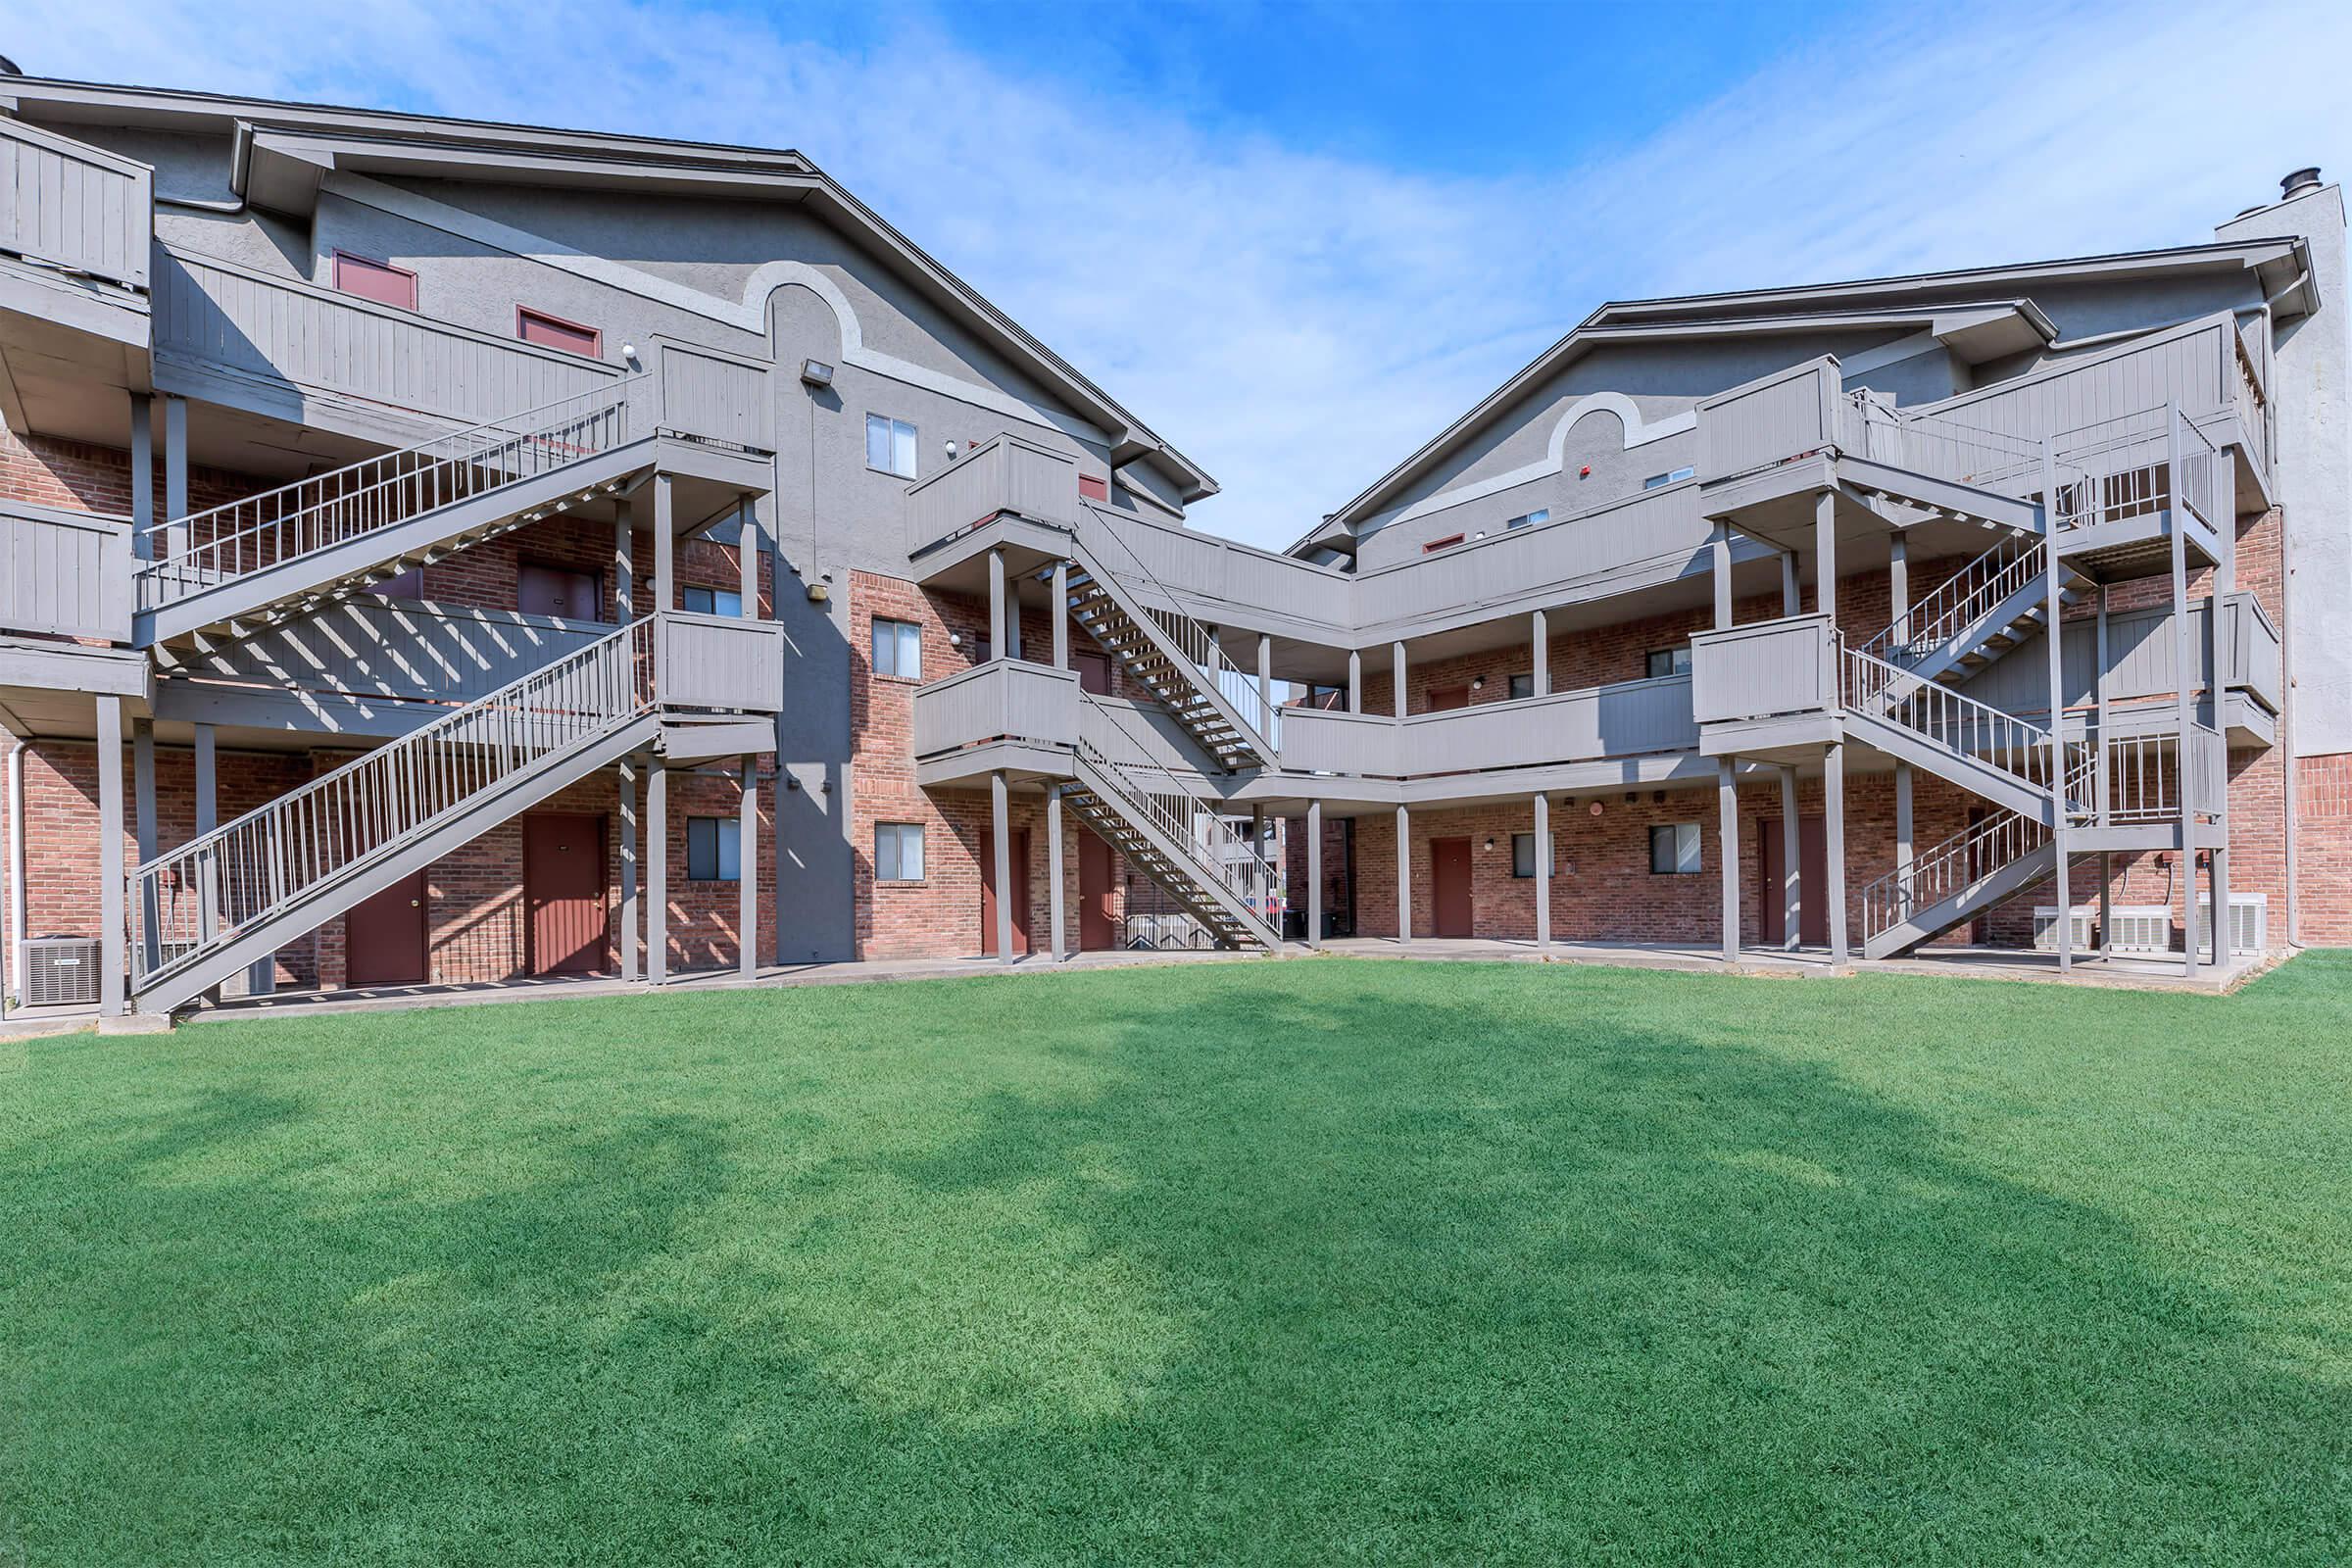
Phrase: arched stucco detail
x=758 y=294
x=1637 y=432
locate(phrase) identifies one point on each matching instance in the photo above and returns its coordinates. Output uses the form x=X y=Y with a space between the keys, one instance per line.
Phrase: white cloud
x=1298 y=321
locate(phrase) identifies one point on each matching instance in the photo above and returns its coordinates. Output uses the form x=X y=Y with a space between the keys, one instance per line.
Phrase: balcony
x=63 y=573
x=1006 y=713
x=1772 y=674
x=1630 y=719
x=1006 y=475
x=77 y=224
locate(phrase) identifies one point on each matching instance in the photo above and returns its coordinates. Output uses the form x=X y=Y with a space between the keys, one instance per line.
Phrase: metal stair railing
x=1942 y=870
x=376 y=493
x=1962 y=724
x=2131 y=466
x=190 y=900
x=1182 y=814
x=1193 y=642
x=1939 y=446
x=1960 y=601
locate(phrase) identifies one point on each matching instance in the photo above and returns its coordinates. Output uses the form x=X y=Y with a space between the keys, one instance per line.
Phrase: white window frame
x=905 y=638
x=891 y=840
x=898 y=455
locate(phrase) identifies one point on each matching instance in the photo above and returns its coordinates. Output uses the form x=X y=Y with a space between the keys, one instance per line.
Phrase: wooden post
x=1265 y=679
x=2184 y=714
x=111 y=997
x=142 y=791
x=657 y=852
x=2054 y=634
x=1720 y=553
x=1898 y=582
x=2105 y=773
x=747 y=867
x=1404 y=874
x=1792 y=594
x=1060 y=611
x=1001 y=817
x=1314 y=873
x=175 y=473
x=208 y=817
x=626 y=785
x=142 y=476
x=1833 y=831
x=998 y=645
x=1539 y=684
x=1792 y=906
x=624 y=564
x=666 y=546
x=1396 y=676
x=1355 y=681
x=1825 y=547
x=1543 y=864
x=1727 y=823
x=1053 y=863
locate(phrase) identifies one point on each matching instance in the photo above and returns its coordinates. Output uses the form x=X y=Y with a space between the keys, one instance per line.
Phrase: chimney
x=2296 y=183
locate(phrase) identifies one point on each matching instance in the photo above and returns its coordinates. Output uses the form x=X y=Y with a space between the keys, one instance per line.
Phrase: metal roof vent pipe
x=2296 y=183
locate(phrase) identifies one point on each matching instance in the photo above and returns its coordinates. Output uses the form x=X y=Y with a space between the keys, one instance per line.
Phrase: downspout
x=16 y=868
x=240 y=162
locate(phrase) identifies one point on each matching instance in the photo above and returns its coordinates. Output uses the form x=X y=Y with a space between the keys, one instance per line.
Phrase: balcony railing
x=719 y=662
x=1629 y=719
x=1006 y=474
x=65 y=573
x=67 y=205
x=1004 y=699
x=1768 y=669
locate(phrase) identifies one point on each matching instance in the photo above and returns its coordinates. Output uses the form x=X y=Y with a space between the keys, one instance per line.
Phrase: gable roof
x=1976 y=311
x=283 y=151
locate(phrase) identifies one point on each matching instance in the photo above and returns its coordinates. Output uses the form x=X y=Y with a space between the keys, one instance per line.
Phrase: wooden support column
x=666 y=546
x=1542 y=864
x=1540 y=635
x=175 y=473
x=1824 y=550
x=1727 y=823
x=747 y=867
x=747 y=557
x=1355 y=681
x=999 y=644
x=1898 y=582
x=208 y=869
x=627 y=787
x=1833 y=831
x=142 y=792
x=1720 y=554
x=1404 y=874
x=1060 y=611
x=2105 y=797
x=999 y=806
x=2183 y=712
x=1904 y=837
x=2223 y=583
x=1396 y=676
x=1054 y=893
x=656 y=854
x=142 y=476
x=1792 y=906
x=2054 y=636
x=1792 y=594
x=1314 y=873
x=1265 y=676
x=110 y=944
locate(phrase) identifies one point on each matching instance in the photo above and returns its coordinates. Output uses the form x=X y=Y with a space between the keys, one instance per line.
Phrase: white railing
x=377 y=493
x=1962 y=724
x=193 y=898
x=2135 y=465
x=1939 y=446
x=1945 y=870
x=1217 y=849
x=1959 y=602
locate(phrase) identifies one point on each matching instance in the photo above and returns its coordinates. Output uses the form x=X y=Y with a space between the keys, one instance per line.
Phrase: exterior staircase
x=1172 y=656
x=1172 y=831
x=211 y=908
x=1959 y=878
x=1978 y=614
x=286 y=552
x=1983 y=749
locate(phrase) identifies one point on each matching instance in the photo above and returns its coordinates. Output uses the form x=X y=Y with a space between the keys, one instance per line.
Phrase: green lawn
x=1300 y=1261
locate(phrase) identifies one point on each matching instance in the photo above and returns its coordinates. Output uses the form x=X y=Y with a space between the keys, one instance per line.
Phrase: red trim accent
x=1093 y=487
x=569 y=336
x=1436 y=545
x=368 y=268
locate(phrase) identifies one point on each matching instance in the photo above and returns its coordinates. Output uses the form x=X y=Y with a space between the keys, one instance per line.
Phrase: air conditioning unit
x=60 y=971
x=2046 y=927
x=2249 y=923
x=2140 y=927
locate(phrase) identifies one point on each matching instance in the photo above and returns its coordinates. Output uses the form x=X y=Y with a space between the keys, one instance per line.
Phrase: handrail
x=1961 y=723
x=1237 y=688
x=1942 y=871
x=1939 y=446
x=1959 y=602
x=376 y=493
x=1162 y=798
x=2132 y=465
x=194 y=896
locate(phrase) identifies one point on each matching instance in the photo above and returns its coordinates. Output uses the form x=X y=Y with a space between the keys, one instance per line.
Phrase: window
x=380 y=281
x=1674 y=850
x=715 y=600
x=898 y=649
x=890 y=445
x=554 y=332
x=1436 y=545
x=898 y=851
x=1521 y=686
x=1523 y=854
x=1676 y=478
x=1529 y=520
x=711 y=853
x=1669 y=661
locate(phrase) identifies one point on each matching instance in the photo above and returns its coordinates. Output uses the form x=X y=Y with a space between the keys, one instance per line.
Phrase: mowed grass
x=1275 y=1262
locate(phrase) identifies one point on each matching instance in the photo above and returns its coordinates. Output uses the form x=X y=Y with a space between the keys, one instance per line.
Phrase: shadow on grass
x=1441 y=1274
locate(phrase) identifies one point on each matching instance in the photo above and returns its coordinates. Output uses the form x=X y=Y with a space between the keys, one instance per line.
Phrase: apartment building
x=439 y=553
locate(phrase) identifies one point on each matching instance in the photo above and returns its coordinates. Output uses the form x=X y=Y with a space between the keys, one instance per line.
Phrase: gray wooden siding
x=1629 y=719
x=1002 y=475
x=714 y=396
x=71 y=205
x=1002 y=699
x=2194 y=366
x=1775 y=667
x=1781 y=415
x=2141 y=653
x=1220 y=579
x=64 y=572
x=225 y=317
x=729 y=662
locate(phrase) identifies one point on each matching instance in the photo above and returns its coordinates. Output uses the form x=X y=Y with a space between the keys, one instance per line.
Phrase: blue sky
x=1299 y=239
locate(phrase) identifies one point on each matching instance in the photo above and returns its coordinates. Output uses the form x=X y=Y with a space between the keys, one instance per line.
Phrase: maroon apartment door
x=1020 y=895
x=564 y=889
x=1098 y=931
x=1450 y=880
x=1812 y=881
x=385 y=936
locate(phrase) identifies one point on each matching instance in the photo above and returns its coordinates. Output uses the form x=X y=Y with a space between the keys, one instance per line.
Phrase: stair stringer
x=1194 y=890
x=455 y=828
x=1143 y=617
x=2004 y=881
x=1972 y=773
